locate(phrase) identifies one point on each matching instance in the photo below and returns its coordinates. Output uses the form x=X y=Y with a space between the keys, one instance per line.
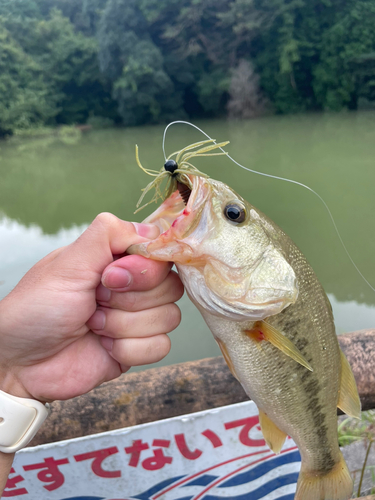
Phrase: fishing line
x=277 y=178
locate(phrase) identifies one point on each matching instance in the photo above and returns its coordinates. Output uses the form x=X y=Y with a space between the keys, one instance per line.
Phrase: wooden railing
x=160 y=393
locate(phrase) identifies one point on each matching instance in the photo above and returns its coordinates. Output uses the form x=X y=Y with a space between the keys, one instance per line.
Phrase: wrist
x=21 y=418
x=10 y=385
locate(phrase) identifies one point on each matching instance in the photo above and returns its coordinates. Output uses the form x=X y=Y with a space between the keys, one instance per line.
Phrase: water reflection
x=49 y=192
x=22 y=247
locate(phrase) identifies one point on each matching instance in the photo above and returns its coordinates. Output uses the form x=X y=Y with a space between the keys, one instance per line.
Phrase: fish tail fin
x=337 y=484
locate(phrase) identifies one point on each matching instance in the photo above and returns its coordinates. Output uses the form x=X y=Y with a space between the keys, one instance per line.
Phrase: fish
x=271 y=318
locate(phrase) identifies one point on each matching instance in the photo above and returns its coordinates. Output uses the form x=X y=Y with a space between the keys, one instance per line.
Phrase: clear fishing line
x=273 y=177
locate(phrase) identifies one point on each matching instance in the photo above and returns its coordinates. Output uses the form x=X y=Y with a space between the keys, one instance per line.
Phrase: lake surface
x=50 y=190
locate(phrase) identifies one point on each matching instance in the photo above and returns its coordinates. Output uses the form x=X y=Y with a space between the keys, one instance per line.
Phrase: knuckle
x=130 y=301
x=179 y=288
x=104 y=219
x=174 y=286
x=119 y=350
x=164 y=345
x=158 y=347
x=173 y=316
x=118 y=323
x=109 y=221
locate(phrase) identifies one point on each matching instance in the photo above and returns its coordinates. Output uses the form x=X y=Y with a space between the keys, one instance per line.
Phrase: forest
x=134 y=62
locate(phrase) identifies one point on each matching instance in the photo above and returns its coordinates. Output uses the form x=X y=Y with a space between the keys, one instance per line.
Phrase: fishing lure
x=186 y=168
x=176 y=171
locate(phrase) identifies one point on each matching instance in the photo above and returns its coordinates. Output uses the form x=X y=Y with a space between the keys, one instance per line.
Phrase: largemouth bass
x=271 y=318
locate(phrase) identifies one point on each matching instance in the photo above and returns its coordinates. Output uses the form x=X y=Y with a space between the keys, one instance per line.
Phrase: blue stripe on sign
x=158 y=487
x=261 y=469
x=286 y=497
x=201 y=481
x=263 y=490
x=83 y=498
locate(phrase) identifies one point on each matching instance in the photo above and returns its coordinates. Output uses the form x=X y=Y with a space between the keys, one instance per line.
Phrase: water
x=50 y=191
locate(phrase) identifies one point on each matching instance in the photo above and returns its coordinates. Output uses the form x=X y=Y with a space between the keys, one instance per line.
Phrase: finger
x=170 y=290
x=134 y=272
x=119 y=324
x=90 y=365
x=94 y=249
x=140 y=351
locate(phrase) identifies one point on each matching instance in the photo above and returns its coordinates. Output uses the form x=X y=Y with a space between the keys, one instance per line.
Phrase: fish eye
x=235 y=212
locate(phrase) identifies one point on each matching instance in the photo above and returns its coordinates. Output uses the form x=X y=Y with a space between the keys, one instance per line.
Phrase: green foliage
x=24 y=99
x=344 y=72
x=351 y=430
x=148 y=61
x=49 y=72
x=70 y=61
x=134 y=65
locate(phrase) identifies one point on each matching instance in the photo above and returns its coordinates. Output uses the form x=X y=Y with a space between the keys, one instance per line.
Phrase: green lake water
x=51 y=189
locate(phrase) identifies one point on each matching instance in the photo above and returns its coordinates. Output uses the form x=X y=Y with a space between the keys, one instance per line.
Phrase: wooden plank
x=169 y=391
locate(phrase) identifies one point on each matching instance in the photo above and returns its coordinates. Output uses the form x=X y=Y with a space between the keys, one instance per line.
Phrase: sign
x=210 y=455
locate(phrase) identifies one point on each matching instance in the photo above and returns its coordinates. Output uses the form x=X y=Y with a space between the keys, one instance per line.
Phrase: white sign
x=209 y=455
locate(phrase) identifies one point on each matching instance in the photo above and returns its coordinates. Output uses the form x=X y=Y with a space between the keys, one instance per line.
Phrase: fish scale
x=271 y=318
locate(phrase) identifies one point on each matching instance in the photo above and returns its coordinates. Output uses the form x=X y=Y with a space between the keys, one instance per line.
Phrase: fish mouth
x=184 y=191
x=176 y=218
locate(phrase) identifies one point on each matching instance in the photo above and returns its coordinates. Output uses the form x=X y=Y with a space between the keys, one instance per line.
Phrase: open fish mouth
x=184 y=191
x=176 y=218
x=178 y=214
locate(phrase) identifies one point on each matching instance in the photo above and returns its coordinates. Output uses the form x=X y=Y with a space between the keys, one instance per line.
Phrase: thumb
x=105 y=237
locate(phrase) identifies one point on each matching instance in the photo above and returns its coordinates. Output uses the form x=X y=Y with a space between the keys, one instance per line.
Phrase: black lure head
x=170 y=166
x=177 y=180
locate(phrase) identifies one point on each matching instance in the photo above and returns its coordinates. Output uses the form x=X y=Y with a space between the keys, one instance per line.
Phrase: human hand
x=54 y=341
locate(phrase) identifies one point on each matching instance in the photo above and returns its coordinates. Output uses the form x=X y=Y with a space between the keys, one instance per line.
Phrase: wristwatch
x=20 y=419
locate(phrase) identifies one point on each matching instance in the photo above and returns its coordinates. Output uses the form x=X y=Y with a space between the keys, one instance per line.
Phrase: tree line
x=133 y=62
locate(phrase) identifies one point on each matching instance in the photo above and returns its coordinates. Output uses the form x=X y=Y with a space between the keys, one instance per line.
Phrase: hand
x=55 y=343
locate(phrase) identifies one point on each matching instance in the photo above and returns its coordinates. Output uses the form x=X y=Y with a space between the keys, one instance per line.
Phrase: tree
x=24 y=97
x=246 y=99
x=70 y=66
x=134 y=66
x=345 y=70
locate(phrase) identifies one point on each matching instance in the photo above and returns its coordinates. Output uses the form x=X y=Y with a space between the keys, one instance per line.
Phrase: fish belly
x=299 y=402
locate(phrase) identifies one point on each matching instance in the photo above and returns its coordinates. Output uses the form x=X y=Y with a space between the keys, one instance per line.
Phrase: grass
x=352 y=430
x=30 y=140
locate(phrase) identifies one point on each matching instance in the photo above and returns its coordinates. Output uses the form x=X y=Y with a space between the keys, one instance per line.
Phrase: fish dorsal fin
x=274 y=437
x=224 y=352
x=349 y=401
x=264 y=331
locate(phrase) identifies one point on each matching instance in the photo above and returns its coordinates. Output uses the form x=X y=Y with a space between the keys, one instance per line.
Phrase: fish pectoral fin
x=274 y=437
x=349 y=401
x=268 y=332
x=224 y=352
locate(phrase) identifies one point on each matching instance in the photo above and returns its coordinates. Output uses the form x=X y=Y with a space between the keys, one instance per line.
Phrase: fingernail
x=117 y=277
x=149 y=231
x=97 y=320
x=103 y=294
x=107 y=343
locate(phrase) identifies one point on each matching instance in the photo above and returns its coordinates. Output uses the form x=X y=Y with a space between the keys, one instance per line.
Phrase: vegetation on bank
x=146 y=61
x=351 y=430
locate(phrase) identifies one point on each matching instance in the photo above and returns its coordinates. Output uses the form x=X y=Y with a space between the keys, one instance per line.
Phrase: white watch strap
x=20 y=419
